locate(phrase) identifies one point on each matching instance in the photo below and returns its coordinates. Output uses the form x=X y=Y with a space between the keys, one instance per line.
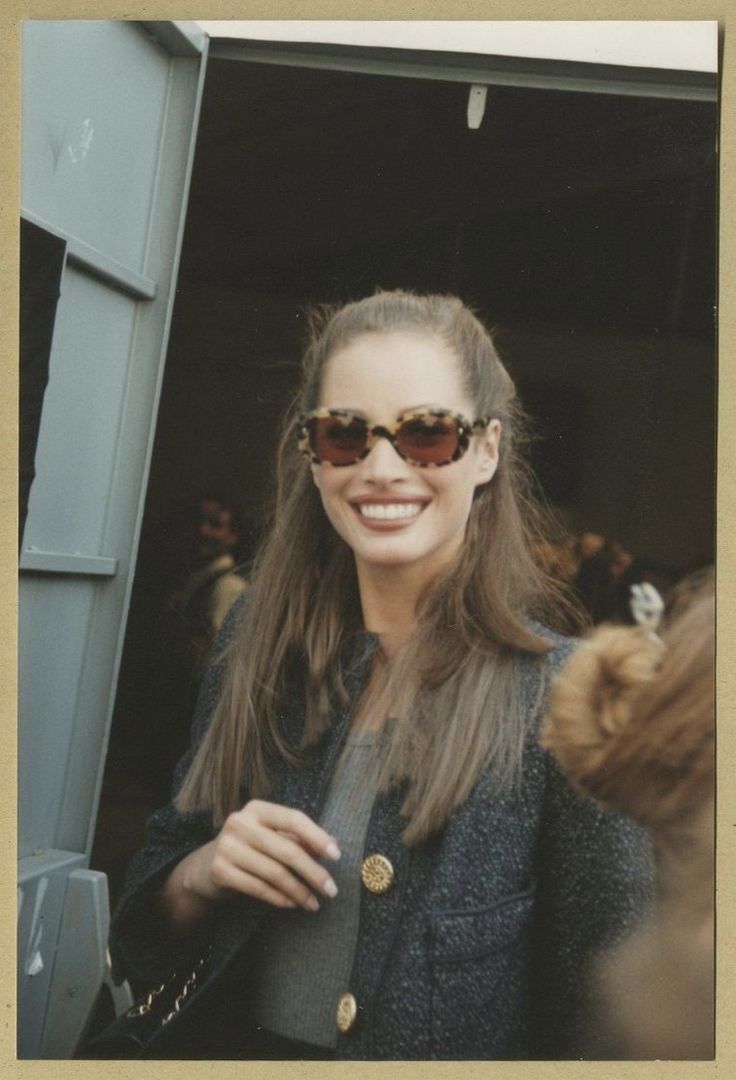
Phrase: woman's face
x=391 y=513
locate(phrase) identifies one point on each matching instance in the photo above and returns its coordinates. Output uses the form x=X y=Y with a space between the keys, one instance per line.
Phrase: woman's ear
x=487 y=462
x=315 y=474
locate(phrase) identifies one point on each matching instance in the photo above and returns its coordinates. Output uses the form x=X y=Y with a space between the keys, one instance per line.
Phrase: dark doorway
x=41 y=262
x=581 y=226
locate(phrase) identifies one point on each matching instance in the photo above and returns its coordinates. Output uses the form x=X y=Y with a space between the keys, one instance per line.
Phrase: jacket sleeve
x=142 y=947
x=594 y=884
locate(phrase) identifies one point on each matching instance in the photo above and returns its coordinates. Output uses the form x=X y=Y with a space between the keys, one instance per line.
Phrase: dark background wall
x=581 y=226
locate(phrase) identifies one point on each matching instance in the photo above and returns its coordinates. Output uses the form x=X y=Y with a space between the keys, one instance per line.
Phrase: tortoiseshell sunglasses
x=428 y=437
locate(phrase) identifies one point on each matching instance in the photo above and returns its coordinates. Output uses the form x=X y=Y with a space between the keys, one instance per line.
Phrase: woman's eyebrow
x=389 y=418
x=429 y=406
x=348 y=409
x=435 y=406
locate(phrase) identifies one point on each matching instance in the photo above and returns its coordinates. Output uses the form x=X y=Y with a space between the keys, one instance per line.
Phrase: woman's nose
x=383 y=464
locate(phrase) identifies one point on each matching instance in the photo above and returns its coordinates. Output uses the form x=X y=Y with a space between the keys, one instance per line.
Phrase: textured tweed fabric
x=481 y=947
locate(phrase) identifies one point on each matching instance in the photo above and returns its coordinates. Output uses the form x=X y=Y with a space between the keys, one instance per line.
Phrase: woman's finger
x=247 y=836
x=299 y=824
x=234 y=859
x=232 y=877
x=288 y=852
x=279 y=877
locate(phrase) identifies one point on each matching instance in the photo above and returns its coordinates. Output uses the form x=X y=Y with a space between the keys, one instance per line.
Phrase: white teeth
x=389 y=511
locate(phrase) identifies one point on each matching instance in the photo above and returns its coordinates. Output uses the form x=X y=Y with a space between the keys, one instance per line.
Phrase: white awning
x=672 y=45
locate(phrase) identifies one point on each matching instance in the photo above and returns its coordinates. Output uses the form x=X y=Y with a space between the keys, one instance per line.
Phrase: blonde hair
x=454 y=687
x=631 y=717
x=632 y=722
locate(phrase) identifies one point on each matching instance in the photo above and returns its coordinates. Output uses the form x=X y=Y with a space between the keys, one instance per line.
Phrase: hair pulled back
x=453 y=689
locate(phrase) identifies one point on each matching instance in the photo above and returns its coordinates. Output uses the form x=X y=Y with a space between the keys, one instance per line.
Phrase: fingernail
x=332 y=850
x=289 y=903
x=330 y=887
x=313 y=903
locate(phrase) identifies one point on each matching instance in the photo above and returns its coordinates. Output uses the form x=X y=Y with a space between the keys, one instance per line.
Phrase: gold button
x=347 y=1010
x=377 y=873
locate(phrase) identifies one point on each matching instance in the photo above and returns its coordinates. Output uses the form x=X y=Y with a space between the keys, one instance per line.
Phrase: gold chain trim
x=142 y=1008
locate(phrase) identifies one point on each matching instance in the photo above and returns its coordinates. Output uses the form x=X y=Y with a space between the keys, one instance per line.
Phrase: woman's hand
x=264 y=850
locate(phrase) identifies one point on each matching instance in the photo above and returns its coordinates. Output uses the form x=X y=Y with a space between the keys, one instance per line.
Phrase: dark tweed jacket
x=481 y=947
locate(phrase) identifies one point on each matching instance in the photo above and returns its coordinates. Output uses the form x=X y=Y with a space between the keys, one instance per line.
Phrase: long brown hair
x=453 y=688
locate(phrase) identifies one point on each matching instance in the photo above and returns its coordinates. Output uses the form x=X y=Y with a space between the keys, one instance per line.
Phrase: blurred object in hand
x=646 y=606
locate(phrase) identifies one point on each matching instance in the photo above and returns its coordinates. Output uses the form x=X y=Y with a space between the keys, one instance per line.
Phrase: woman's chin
x=394 y=555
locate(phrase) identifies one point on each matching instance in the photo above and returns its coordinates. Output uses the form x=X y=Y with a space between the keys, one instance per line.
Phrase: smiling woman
x=389 y=512
x=366 y=834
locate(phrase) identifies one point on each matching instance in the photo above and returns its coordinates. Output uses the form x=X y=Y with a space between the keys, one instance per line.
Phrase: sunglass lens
x=338 y=440
x=427 y=439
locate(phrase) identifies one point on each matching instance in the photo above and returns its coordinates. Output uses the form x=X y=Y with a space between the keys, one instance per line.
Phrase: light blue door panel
x=54 y=616
x=92 y=131
x=77 y=442
x=110 y=111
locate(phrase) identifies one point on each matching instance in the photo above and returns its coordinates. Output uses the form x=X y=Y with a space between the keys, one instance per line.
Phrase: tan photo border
x=11 y=14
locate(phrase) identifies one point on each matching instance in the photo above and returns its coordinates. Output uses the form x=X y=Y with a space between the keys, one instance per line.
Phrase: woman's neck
x=389 y=598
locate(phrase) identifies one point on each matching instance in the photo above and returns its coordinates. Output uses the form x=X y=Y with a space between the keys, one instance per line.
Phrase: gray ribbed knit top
x=304 y=958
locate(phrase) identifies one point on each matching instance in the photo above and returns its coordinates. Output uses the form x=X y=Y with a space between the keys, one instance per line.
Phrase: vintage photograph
x=368 y=381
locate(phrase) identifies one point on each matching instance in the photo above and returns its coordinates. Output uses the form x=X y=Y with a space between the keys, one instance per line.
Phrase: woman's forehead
x=395 y=370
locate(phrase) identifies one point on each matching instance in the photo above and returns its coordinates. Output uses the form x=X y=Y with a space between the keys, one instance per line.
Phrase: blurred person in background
x=602 y=570
x=204 y=595
x=201 y=582
x=603 y=578
x=190 y=569
x=631 y=721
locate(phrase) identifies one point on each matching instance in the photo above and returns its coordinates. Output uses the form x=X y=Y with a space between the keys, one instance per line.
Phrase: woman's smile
x=390 y=512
